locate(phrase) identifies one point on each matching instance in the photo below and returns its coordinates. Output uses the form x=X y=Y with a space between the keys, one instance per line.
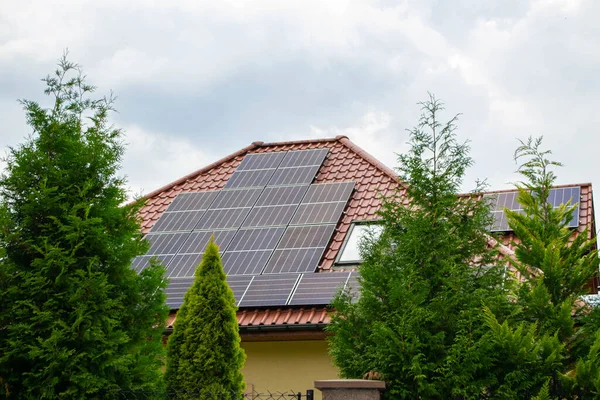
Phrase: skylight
x=350 y=253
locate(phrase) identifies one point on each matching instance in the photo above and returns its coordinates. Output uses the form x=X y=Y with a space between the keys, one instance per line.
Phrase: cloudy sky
x=198 y=80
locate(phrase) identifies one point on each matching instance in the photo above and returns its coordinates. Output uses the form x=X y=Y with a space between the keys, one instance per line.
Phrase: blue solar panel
x=318 y=289
x=250 y=220
x=261 y=161
x=269 y=290
x=557 y=196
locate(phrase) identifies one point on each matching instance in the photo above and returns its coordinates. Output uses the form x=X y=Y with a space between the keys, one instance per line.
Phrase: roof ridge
x=292 y=142
x=343 y=139
x=372 y=160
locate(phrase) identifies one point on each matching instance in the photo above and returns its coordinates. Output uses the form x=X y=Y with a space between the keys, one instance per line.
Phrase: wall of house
x=287 y=365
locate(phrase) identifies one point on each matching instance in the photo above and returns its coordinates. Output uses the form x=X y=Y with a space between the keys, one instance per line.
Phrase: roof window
x=350 y=253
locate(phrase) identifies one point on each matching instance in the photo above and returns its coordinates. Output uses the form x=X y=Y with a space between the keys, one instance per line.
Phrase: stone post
x=350 y=389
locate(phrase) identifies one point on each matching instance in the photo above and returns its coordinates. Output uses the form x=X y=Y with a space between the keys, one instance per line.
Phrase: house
x=287 y=217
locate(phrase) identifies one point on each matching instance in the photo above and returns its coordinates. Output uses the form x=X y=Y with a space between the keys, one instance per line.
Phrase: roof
x=586 y=205
x=344 y=162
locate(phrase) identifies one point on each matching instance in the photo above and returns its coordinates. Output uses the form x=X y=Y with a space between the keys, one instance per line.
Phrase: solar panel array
x=557 y=196
x=274 y=290
x=272 y=227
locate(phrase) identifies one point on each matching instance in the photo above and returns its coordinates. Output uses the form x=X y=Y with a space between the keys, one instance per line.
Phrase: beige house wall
x=287 y=365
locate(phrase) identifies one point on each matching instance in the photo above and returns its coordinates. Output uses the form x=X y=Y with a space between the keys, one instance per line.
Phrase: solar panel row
x=197 y=241
x=276 y=169
x=282 y=195
x=293 y=176
x=177 y=221
x=235 y=198
x=270 y=216
x=250 y=250
x=323 y=203
x=166 y=243
x=328 y=192
x=261 y=161
x=250 y=178
x=300 y=249
x=250 y=218
x=193 y=201
x=318 y=213
x=299 y=158
x=275 y=290
x=508 y=200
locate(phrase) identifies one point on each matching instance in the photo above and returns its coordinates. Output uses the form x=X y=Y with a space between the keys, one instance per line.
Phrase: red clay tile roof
x=345 y=162
x=275 y=317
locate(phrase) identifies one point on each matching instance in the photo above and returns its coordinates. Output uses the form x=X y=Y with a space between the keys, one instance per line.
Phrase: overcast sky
x=198 y=80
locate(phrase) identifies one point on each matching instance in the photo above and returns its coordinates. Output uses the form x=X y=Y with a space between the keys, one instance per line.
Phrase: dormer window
x=350 y=252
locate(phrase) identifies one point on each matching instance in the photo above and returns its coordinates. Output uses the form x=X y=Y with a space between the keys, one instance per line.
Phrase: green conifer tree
x=75 y=318
x=204 y=357
x=553 y=328
x=425 y=280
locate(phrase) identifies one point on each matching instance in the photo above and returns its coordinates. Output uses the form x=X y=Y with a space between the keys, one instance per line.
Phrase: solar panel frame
x=294 y=260
x=294 y=176
x=165 y=242
x=269 y=290
x=177 y=221
x=299 y=158
x=270 y=216
x=176 y=291
x=245 y=262
x=236 y=198
x=178 y=287
x=318 y=213
x=282 y=195
x=249 y=178
x=255 y=161
x=183 y=265
x=329 y=192
x=239 y=284
x=304 y=236
x=198 y=240
x=256 y=239
x=192 y=201
x=222 y=219
x=318 y=289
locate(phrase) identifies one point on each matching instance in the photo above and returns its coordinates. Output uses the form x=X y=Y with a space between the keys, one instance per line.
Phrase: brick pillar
x=350 y=389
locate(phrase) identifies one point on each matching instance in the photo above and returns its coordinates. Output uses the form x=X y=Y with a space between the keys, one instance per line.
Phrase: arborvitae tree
x=418 y=320
x=553 y=329
x=204 y=357
x=75 y=317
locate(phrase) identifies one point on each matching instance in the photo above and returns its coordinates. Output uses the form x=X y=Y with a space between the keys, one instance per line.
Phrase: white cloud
x=371 y=132
x=154 y=159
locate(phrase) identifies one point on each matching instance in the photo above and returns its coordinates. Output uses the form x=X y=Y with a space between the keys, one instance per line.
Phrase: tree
x=552 y=328
x=204 y=357
x=76 y=318
x=424 y=281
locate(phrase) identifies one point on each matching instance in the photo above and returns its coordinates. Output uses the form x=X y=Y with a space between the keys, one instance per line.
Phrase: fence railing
x=134 y=394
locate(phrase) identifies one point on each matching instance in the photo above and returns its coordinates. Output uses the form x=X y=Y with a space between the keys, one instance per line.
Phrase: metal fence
x=133 y=394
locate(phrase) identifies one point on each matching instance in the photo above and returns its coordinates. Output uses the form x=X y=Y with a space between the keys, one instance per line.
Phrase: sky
x=198 y=80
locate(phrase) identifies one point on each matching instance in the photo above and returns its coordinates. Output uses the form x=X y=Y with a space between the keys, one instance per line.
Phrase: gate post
x=350 y=389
